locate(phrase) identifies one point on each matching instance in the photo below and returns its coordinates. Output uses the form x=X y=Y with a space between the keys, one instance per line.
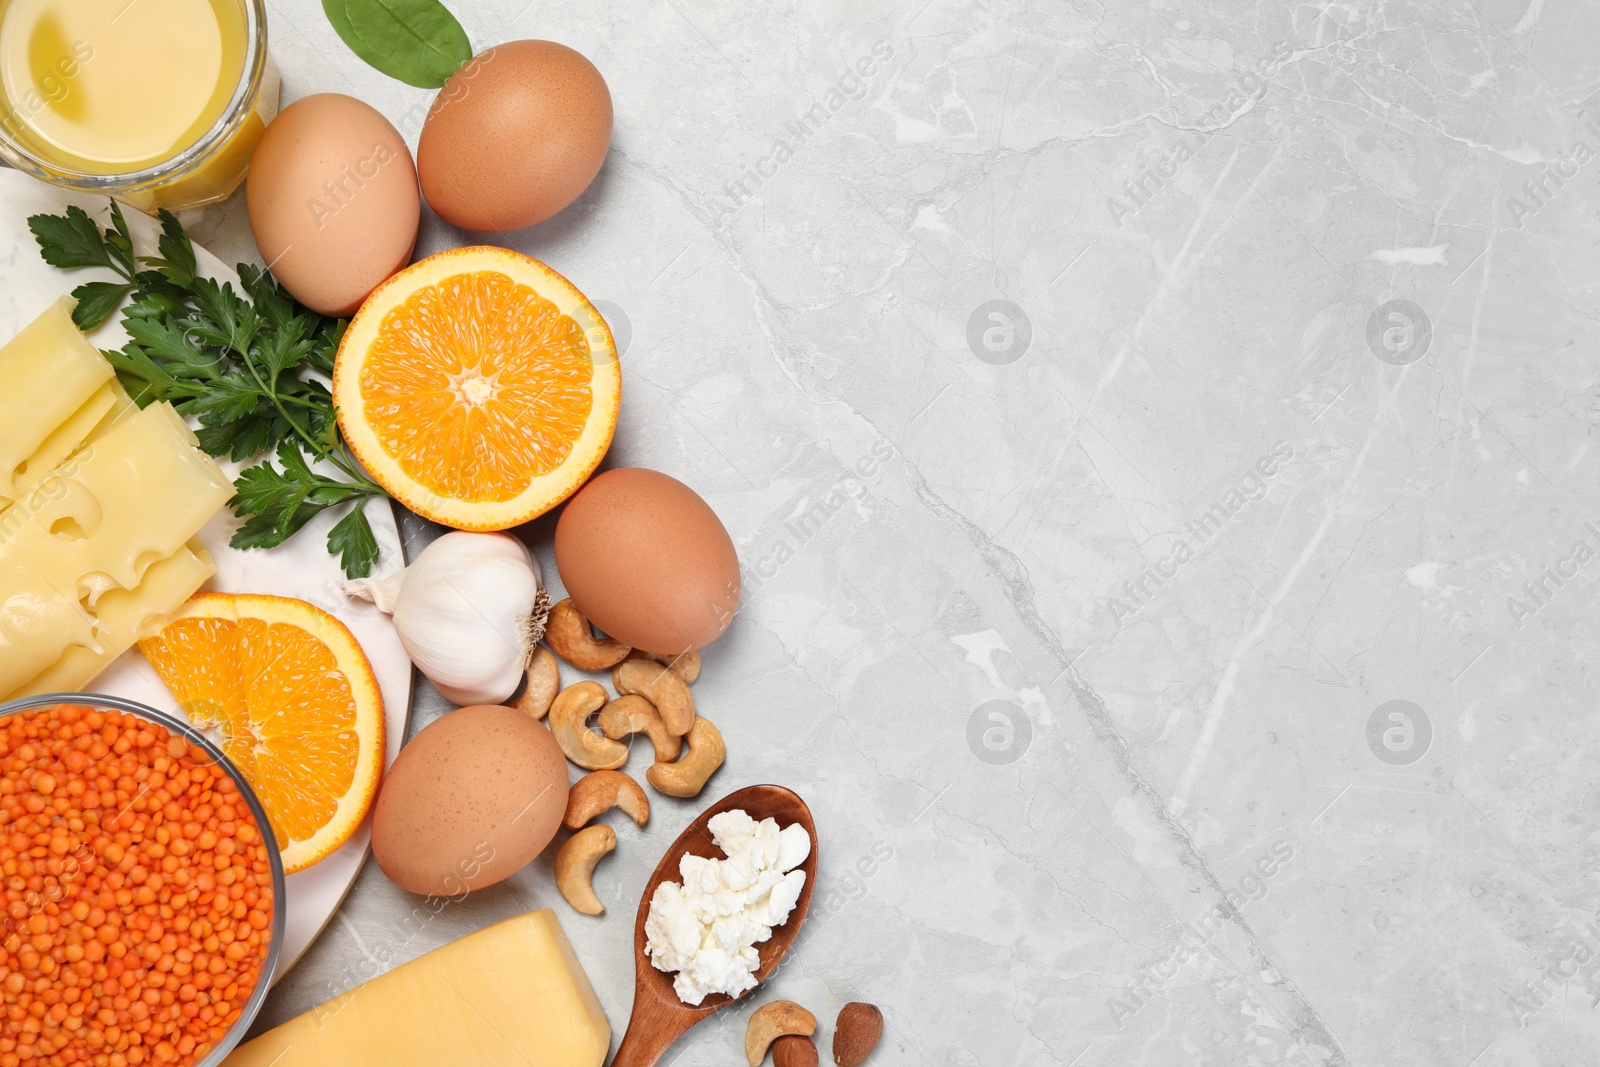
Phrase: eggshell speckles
x=648 y=561
x=514 y=136
x=471 y=800
x=333 y=201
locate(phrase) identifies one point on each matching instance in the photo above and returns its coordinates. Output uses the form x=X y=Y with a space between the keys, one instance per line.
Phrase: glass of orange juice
x=156 y=102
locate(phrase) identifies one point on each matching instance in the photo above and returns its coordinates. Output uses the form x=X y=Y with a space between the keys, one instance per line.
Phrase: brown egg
x=471 y=800
x=333 y=201
x=514 y=136
x=648 y=561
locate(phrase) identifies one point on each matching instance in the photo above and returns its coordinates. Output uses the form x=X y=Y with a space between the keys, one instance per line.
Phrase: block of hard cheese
x=512 y=995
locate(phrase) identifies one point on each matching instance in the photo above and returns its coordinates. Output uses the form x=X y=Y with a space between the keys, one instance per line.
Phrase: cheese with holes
x=120 y=617
x=104 y=409
x=47 y=373
x=508 y=996
x=93 y=526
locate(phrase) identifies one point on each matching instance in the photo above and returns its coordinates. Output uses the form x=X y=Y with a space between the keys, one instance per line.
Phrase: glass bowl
x=203 y=172
x=177 y=724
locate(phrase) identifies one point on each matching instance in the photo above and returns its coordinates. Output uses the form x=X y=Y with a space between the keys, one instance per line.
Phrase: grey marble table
x=1161 y=443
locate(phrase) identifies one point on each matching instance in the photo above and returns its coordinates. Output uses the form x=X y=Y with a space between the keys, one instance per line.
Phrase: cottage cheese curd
x=706 y=927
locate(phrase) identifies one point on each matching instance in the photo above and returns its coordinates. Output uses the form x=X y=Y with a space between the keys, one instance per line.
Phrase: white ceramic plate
x=302 y=568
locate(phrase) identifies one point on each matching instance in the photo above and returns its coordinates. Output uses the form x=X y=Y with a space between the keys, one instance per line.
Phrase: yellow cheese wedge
x=120 y=616
x=96 y=524
x=47 y=372
x=512 y=995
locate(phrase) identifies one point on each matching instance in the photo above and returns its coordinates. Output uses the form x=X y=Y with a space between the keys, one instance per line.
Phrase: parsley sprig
x=245 y=366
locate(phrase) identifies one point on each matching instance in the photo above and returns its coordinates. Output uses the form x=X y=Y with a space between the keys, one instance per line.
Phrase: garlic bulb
x=469 y=611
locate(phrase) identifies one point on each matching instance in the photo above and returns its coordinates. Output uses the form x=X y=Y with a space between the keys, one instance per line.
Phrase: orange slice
x=294 y=702
x=478 y=387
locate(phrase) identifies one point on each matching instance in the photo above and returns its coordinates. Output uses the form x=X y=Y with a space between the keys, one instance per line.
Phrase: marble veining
x=1160 y=440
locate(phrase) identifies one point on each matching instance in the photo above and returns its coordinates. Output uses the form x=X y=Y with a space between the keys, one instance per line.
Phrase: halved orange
x=478 y=387
x=295 y=704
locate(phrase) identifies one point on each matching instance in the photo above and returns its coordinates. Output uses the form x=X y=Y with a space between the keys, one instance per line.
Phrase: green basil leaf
x=418 y=42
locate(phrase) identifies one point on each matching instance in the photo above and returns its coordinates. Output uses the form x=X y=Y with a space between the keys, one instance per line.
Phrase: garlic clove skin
x=472 y=654
x=464 y=610
x=467 y=698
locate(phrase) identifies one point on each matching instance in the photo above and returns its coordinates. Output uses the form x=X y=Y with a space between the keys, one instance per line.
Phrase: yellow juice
x=121 y=87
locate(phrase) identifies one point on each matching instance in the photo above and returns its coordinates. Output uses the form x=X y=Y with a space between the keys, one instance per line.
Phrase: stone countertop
x=1161 y=448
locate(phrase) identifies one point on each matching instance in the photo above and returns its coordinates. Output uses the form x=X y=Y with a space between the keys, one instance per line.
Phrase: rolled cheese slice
x=49 y=372
x=120 y=616
x=507 y=996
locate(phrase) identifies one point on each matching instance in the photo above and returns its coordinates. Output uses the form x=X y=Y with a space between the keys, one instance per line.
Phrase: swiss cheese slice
x=47 y=373
x=120 y=616
x=512 y=995
x=131 y=498
x=105 y=408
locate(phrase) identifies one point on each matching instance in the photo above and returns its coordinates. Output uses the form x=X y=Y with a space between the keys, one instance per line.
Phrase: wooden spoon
x=659 y=1017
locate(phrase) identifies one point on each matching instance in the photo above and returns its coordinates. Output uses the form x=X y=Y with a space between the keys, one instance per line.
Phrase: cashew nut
x=575 y=866
x=772 y=1021
x=572 y=638
x=597 y=793
x=544 y=682
x=636 y=715
x=689 y=775
x=569 y=722
x=685 y=666
x=661 y=687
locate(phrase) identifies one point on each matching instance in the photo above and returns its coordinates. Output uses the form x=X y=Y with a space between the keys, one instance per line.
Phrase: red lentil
x=135 y=893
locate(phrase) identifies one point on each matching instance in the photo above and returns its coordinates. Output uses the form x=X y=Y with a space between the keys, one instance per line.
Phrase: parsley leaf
x=240 y=440
x=70 y=241
x=353 y=540
x=119 y=243
x=283 y=349
x=96 y=302
x=145 y=380
x=177 y=259
x=169 y=342
x=227 y=401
